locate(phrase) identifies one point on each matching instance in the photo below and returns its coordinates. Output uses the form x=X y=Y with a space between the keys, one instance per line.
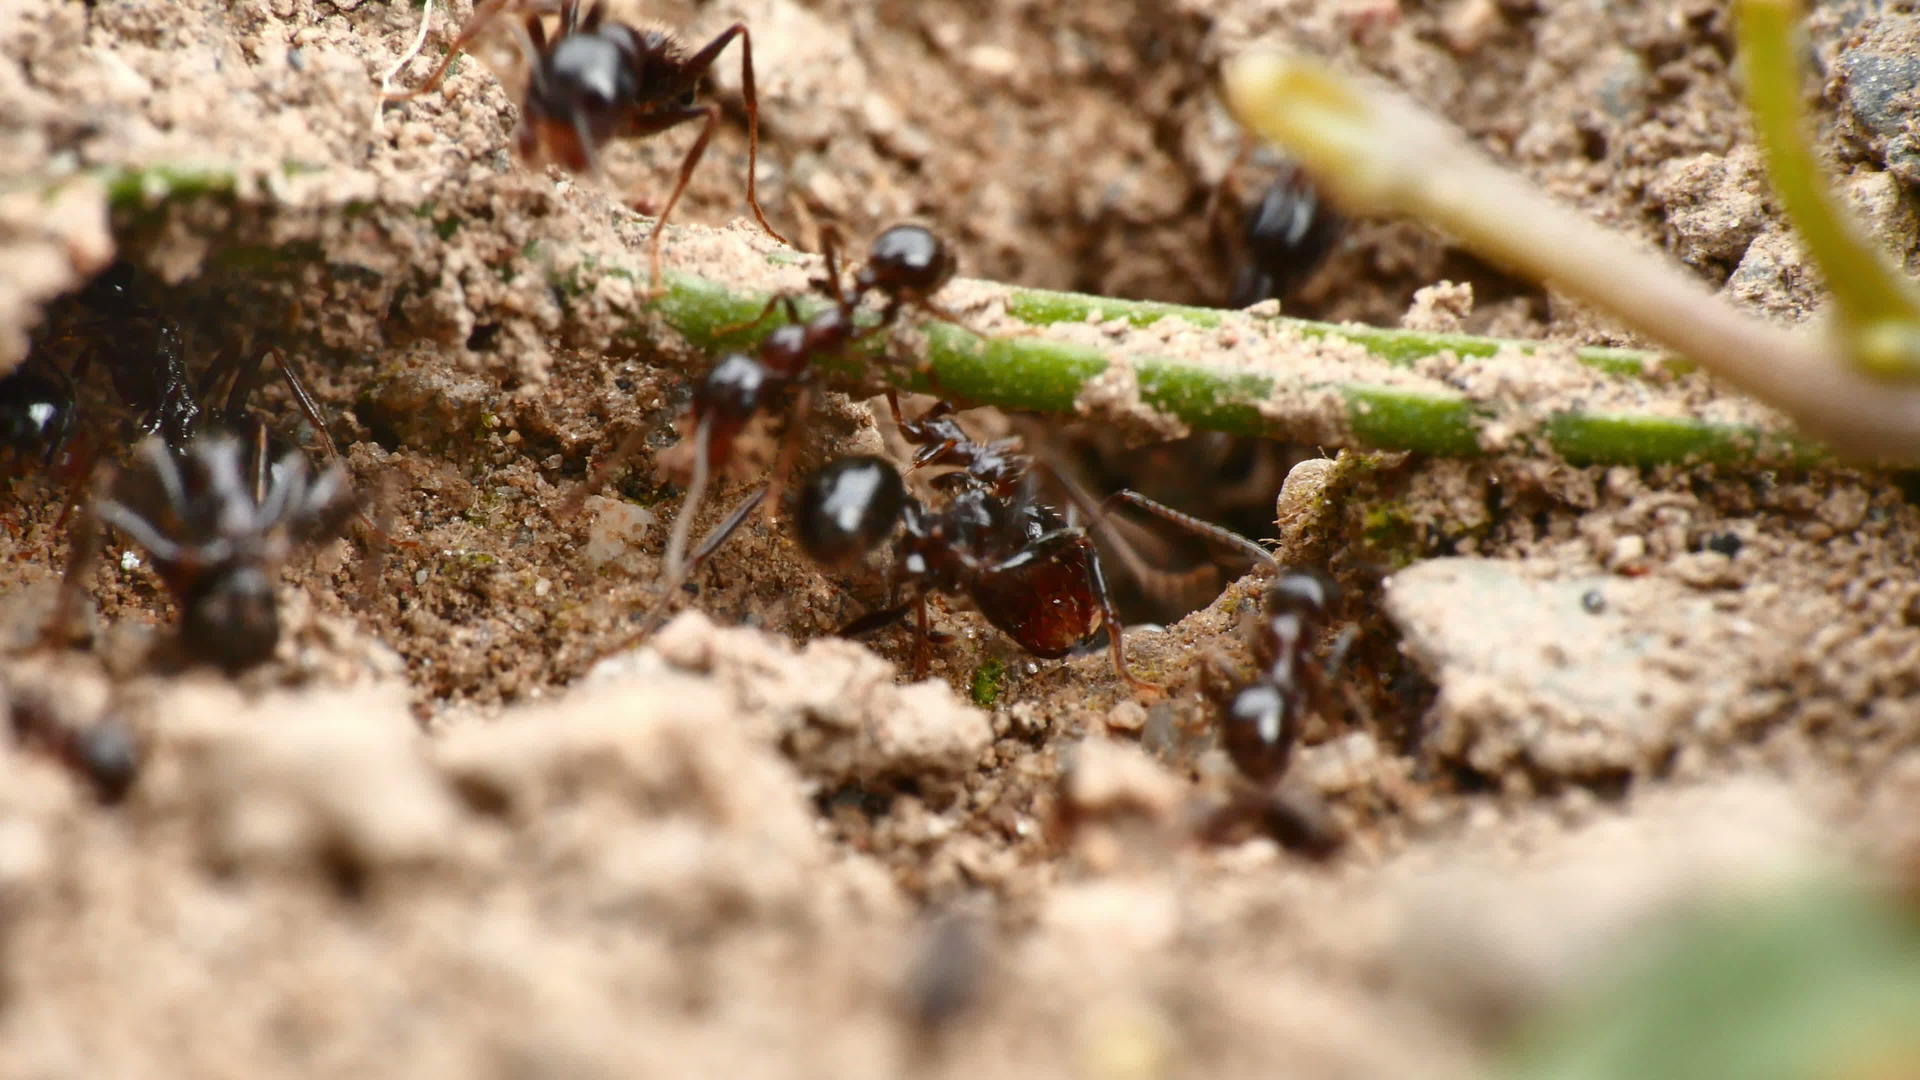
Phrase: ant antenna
x=386 y=77
x=690 y=506
x=656 y=614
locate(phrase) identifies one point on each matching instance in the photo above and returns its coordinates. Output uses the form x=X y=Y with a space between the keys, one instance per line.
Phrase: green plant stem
x=1879 y=312
x=1044 y=374
x=1378 y=153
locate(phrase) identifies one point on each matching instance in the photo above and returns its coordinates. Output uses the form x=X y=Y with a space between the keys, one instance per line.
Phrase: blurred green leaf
x=1821 y=984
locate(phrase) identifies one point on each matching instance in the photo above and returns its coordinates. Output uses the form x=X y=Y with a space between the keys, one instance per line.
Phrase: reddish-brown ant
x=595 y=81
x=1031 y=574
x=906 y=265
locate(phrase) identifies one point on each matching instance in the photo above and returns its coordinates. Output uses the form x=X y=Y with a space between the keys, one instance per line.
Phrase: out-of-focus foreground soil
x=435 y=837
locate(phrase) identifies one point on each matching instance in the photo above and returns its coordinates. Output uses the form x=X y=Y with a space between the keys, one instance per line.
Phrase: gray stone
x=1580 y=677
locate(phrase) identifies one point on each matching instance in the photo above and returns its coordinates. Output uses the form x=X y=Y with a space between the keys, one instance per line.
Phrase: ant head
x=36 y=415
x=849 y=508
x=110 y=755
x=577 y=99
x=1303 y=592
x=732 y=390
x=230 y=617
x=909 y=259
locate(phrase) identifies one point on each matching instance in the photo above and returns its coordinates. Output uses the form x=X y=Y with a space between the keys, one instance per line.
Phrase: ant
x=1260 y=722
x=106 y=753
x=217 y=519
x=37 y=415
x=595 y=81
x=217 y=512
x=108 y=324
x=1032 y=575
x=1283 y=239
x=906 y=265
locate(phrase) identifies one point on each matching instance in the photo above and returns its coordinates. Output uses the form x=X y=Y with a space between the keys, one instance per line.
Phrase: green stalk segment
x=1044 y=307
x=1033 y=373
x=1879 y=310
x=1040 y=375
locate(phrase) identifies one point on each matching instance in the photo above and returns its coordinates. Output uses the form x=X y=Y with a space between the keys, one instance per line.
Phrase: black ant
x=1284 y=239
x=216 y=512
x=37 y=415
x=217 y=519
x=1260 y=722
x=906 y=265
x=104 y=324
x=109 y=325
x=595 y=81
x=106 y=753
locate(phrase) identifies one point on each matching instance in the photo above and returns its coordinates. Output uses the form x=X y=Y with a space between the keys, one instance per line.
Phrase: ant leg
x=789 y=440
x=482 y=17
x=1116 y=639
x=921 y=638
x=89 y=538
x=602 y=472
x=721 y=533
x=81 y=470
x=1205 y=529
x=303 y=399
x=690 y=506
x=687 y=164
x=938 y=311
x=830 y=252
x=310 y=409
x=778 y=300
x=698 y=63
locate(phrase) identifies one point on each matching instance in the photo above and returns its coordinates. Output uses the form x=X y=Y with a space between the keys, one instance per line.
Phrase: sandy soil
x=439 y=835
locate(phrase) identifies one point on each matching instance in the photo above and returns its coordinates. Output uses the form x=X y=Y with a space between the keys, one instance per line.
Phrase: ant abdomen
x=848 y=509
x=1258 y=728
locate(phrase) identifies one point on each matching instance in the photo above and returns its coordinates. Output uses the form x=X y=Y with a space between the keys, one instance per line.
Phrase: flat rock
x=1573 y=677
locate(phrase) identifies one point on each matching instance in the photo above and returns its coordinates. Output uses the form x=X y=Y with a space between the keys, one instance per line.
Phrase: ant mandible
x=595 y=81
x=906 y=265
